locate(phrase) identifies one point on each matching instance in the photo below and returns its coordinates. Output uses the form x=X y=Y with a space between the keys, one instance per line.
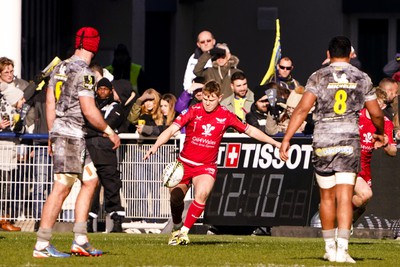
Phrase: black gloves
x=217 y=52
x=19 y=127
x=274 y=111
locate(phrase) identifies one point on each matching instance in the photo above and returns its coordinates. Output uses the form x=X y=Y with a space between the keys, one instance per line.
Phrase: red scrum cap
x=87 y=38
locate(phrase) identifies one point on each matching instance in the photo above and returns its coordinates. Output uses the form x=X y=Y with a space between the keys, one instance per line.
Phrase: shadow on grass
x=322 y=259
x=206 y=243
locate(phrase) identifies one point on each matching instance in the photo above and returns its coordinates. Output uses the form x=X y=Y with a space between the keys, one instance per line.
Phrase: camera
x=5 y=117
x=217 y=52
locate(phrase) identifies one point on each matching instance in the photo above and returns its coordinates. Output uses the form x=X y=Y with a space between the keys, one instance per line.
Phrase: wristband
x=109 y=131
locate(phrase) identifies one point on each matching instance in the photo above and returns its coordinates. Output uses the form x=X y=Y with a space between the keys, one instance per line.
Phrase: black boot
x=117 y=220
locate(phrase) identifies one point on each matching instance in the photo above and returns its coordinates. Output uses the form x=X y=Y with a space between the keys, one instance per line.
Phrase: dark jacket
x=256 y=118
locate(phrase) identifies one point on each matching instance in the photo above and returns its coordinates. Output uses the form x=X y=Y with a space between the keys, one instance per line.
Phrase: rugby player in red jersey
x=205 y=124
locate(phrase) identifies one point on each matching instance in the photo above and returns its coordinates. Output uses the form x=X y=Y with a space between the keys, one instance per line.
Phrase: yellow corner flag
x=276 y=55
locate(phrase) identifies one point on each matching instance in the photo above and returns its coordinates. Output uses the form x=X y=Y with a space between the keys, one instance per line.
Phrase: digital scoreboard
x=255 y=188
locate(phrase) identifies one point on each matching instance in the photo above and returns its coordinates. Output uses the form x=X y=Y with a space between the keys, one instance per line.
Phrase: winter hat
x=259 y=91
x=87 y=38
x=124 y=90
x=11 y=93
x=295 y=97
x=104 y=82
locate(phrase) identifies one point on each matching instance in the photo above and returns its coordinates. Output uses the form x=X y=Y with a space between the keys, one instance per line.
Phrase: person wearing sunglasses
x=283 y=76
x=205 y=42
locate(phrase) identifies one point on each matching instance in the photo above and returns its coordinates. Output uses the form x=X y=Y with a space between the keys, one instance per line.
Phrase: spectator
x=190 y=96
x=10 y=105
x=391 y=87
x=223 y=67
x=242 y=98
x=205 y=42
x=101 y=72
x=293 y=100
x=336 y=142
x=7 y=74
x=122 y=67
x=284 y=76
x=104 y=156
x=67 y=106
x=258 y=111
x=167 y=108
x=126 y=95
x=277 y=97
x=392 y=66
x=363 y=186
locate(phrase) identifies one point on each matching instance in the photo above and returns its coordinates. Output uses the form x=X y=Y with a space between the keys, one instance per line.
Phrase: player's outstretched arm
x=260 y=136
x=162 y=139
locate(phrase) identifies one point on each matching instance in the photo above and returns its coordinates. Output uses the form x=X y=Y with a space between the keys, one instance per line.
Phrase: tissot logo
x=232 y=155
x=251 y=155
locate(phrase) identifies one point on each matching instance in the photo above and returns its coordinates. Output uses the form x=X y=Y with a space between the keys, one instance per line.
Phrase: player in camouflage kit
x=338 y=91
x=69 y=101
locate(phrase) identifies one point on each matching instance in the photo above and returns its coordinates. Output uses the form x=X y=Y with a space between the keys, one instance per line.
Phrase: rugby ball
x=172 y=174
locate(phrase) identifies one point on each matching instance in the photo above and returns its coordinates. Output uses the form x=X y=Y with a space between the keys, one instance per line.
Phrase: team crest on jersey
x=61 y=76
x=221 y=121
x=88 y=82
x=367 y=138
x=207 y=129
x=341 y=79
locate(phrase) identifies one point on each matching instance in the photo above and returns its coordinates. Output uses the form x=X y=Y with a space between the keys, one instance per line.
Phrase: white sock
x=185 y=229
x=81 y=239
x=330 y=243
x=40 y=245
x=343 y=243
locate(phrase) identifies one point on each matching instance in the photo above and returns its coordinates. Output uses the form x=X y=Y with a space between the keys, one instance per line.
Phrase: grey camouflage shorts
x=69 y=154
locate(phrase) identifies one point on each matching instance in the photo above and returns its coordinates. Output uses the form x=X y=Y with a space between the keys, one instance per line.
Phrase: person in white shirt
x=205 y=42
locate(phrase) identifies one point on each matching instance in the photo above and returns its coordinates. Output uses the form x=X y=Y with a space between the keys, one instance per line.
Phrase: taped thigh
x=345 y=178
x=325 y=182
x=89 y=172
x=66 y=178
